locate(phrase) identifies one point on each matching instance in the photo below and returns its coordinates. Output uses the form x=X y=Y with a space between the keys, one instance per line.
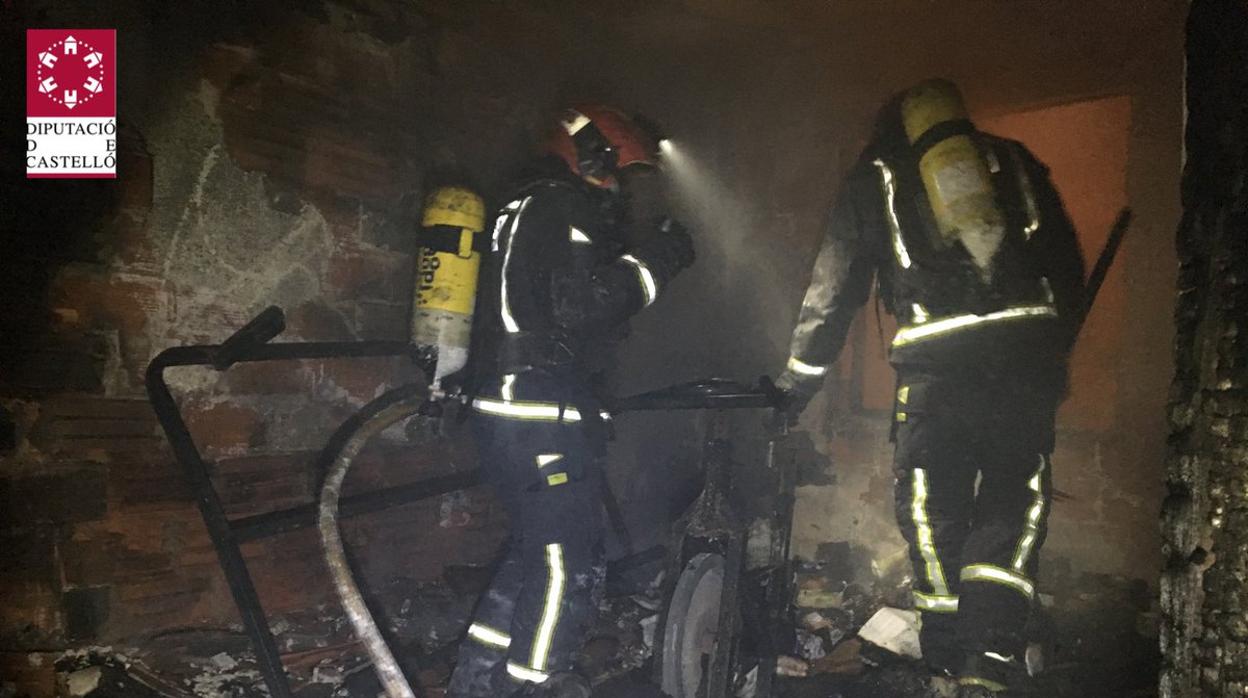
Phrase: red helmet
x=596 y=141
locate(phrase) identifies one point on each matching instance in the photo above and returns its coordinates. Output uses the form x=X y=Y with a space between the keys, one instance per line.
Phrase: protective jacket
x=1018 y=313
x=560 y=287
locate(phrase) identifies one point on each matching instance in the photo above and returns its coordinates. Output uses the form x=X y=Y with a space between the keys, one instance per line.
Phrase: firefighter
x=561 y=282
x=977 y=259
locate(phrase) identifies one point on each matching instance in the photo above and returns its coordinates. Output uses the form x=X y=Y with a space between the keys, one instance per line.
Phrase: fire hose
x=377 y=416
x=451 y=240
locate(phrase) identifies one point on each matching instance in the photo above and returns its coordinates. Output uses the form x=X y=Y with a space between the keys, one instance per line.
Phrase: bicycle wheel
x=693 y=628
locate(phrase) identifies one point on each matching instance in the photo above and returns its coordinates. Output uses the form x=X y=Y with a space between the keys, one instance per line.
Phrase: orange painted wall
x=1085 y=146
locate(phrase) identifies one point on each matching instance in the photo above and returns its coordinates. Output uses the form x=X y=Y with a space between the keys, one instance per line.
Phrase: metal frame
x=248 y=345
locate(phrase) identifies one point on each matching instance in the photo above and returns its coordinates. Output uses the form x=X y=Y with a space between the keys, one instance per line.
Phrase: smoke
x=737 y=254
x=708 y=203
x=696 y=331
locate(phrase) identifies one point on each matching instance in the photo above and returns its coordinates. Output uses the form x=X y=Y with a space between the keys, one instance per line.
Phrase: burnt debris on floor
x=424 y=620
x=1094 y=635
x=1079 y=632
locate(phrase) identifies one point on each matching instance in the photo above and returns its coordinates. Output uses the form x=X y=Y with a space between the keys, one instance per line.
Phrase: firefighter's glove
x=796 y=392
x=668 y=252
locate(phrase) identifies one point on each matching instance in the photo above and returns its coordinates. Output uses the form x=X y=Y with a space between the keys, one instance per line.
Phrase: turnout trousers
x=973 y=492
x=533 y=617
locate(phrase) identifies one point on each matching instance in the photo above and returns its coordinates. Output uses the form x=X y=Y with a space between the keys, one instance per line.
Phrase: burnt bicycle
x=724 y=624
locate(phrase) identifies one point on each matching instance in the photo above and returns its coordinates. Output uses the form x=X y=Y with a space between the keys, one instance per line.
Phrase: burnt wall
x=1205 y=521
x=271 y=155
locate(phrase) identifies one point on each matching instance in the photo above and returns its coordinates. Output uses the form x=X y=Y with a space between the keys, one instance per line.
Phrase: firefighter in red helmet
x=560 y=283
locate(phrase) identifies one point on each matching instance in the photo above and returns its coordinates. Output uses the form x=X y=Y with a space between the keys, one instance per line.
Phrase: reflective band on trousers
x=943 y=326
x=509 y=321
x=648 y=285
x=796 y=365
x=998 y=575
x=1031 y=526
x=550 y=612
x=890 y=195
x=934 y=603
x=524 y=673
x=489 y=636
x=923 y=534
x=540 y=411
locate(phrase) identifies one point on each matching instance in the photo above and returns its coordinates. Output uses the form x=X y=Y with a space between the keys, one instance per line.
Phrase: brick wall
x=267 y=159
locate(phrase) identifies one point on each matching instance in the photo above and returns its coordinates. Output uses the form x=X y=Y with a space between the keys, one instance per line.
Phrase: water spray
x=725 y=225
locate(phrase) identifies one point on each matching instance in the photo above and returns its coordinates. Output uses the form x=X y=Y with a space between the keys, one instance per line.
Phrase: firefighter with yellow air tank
x=977 y=259
x=560 y=280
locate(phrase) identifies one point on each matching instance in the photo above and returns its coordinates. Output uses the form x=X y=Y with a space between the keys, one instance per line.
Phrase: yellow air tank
x=447 y=267
x=953 y=170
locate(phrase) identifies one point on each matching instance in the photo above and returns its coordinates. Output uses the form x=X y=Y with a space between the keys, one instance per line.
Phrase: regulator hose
x=338 y=455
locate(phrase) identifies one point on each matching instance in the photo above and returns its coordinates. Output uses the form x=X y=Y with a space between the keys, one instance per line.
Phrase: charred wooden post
x=1204 y=587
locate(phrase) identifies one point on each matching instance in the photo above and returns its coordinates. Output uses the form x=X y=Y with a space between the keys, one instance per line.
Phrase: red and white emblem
x=71 y=72
x=71 y=103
